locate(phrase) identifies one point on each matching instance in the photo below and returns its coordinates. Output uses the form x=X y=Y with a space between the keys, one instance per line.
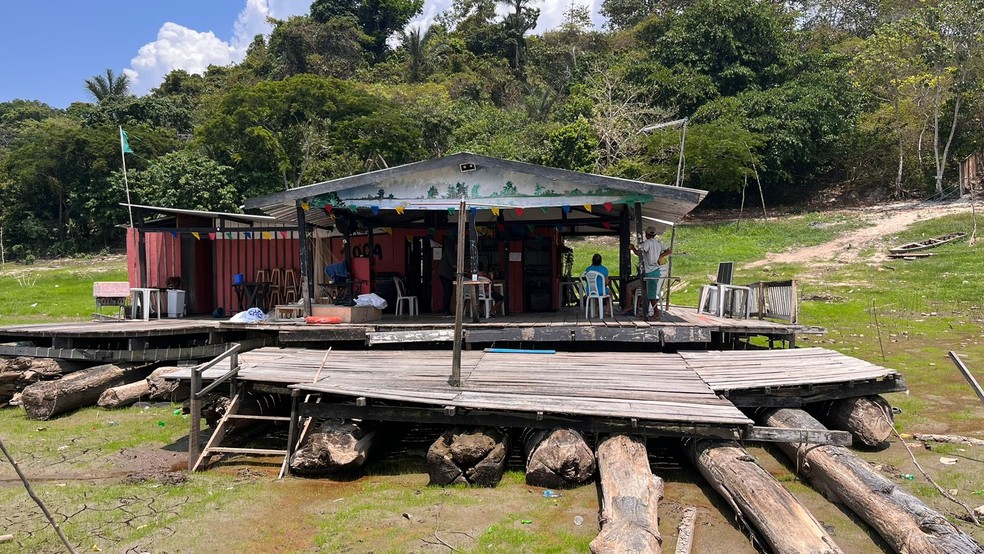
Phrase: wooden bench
x=111 y=293
x=774 y=300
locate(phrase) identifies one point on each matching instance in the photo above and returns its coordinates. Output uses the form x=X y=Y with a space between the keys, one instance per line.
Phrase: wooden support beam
x=869 y=419
x=436 y=415
x=805 y=436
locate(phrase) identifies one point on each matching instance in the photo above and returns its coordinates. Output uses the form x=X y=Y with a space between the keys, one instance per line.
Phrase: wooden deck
x=202 y=338
x=652 y=393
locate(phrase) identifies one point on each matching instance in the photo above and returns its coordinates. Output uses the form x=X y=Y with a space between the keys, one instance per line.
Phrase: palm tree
x=102 y=87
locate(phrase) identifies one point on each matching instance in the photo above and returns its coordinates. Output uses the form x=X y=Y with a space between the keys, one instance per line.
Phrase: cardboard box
x=348 y=314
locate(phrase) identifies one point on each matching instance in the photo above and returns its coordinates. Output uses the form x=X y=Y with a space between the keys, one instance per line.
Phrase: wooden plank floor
x=646 y=386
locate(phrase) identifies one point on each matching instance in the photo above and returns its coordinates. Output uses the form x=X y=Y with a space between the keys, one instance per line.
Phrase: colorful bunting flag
x=566 y=208
x=267 y=235
x=375 y=210
x=174 y=234
x=410 y=239
x=606 y=224
x=474 y=211
x=519 y=211
x=248 y=234
x=495 y=212
x=400 y=209
x=211 y=236
x=450 y=211
x=543 y=209
x=228 y=235
x=305 y=206
x=587 y=208
x=196 y=235
x=608 y=206
x=388 y=230
x=329 y=208
x=283 y=234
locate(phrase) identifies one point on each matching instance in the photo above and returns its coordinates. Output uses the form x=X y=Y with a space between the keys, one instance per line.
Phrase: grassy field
x=902 y=314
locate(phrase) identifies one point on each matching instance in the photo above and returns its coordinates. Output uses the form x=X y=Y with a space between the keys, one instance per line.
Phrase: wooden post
x=630 y=496
x=455 y=380
x=195 y=407
x=624 y=256
x=905 y=523
x=305 y=262
x=759 y=500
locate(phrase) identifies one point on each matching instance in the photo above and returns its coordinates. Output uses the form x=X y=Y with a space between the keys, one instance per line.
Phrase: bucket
x=237 y=279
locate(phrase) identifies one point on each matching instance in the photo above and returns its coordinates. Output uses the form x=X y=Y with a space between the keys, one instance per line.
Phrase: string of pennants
x=265 y=235
x=400 y=209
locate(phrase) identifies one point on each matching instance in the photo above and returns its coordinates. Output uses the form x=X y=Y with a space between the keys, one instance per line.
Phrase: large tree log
x=18 y=373
x=82 y=388
x=474 y=457
x=337 y=447
x=169 y=390
x=759 y=500
x=123 y=395
x=630 y=496
x=558 y=458
x=905 y=523
x=867 y=418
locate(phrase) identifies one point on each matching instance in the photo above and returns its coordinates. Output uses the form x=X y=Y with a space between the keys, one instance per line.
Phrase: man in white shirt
x=653 y=254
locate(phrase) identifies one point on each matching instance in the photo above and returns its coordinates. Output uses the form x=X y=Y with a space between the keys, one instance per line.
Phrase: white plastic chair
x=401 y=295
x=589 y=281
x=484 y=295
x=640 y=293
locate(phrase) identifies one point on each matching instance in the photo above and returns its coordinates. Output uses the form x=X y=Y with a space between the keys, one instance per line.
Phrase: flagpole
x=126 y=181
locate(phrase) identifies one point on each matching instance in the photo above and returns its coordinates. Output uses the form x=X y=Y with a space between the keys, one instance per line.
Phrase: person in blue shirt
x=596 y=266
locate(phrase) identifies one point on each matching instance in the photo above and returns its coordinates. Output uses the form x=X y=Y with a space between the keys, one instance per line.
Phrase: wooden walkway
x=201 y=338
x=654 y=392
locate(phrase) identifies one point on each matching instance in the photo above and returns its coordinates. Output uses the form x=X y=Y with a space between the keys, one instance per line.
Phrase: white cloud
x=178 y=47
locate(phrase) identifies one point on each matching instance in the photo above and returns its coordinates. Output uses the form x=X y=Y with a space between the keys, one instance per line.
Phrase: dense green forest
x=882 y=97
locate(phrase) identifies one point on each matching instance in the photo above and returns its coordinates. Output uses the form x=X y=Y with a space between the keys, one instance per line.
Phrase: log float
x=123 y=395
x=905 y=523
x=759 y=500
x=558 y=458
x=44 y=399
x=630 y=496
x=868 y=419
x=337 y=447
x=168 y=390
x=468 y=457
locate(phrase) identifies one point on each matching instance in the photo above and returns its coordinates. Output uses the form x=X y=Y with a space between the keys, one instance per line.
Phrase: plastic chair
x=484 y=295
x=640 y=293
x=401 y=295
x=590 y=282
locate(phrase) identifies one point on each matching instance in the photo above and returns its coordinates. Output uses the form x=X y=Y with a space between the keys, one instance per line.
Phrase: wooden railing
x=773 y=300
x=197 y=393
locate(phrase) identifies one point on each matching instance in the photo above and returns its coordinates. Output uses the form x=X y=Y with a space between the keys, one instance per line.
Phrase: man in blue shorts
x=652 y=253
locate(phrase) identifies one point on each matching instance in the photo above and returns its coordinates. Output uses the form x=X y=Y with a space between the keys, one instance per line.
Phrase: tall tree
x=379 y=19
x=520 y=20
x=108 y=86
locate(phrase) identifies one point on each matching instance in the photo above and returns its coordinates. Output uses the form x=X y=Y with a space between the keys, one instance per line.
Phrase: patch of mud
x=149 y=461
x=172 y=478
x=883 y=222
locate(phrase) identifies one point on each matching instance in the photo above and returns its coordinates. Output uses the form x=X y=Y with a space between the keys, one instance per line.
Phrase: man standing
x=652 y=253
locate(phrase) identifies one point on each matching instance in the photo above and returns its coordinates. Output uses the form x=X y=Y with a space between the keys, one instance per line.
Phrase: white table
x=142 y=298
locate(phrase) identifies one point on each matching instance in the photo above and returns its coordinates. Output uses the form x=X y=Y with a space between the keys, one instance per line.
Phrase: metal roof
x=664 y=206
x=243 y=218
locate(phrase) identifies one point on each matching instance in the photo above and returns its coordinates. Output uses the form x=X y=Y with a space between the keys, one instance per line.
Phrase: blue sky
x=50 y=47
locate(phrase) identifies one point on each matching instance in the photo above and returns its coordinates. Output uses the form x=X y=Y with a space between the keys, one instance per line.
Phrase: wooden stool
x=290 y=285
x=288 y=312
x=276 y=282
x=261 y=276
x=274 y=296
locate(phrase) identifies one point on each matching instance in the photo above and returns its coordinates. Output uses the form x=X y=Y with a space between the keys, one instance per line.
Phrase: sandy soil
x=883 y=221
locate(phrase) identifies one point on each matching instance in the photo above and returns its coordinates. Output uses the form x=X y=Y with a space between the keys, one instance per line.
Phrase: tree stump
x=168 y=390
x=475 y=457
x=337 y=447
x=123 y=395
x=44 y=399
x=905 y=523
x=869 y=419
x=630 y=496
x=558 y=458
x=759 y=500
